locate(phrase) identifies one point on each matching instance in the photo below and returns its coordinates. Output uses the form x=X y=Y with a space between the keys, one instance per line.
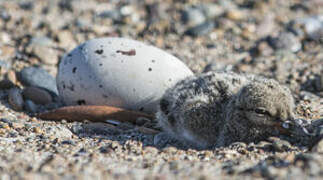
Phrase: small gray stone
x=66 y=40
x=281 y=145
x=313 y=26
x=217 y=67
x=42 y=47
x=266 y=26
x=4 y=15
x=286 y=41
x=46 y=54
x=4 y=64
x=110 y=14
x=41 y=41
x=38 y=77
x=211 y=10
x=59 y=131
x=26 y=5
x=201 y=29
x=193 y=16
x=30 y=106
x=15 y=99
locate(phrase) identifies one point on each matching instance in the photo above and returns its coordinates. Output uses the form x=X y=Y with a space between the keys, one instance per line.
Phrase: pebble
x=193 y=16
x=17 y=125
x=11 y=76
x=37 y=95
x=30 y=106
x=5 y=38
x=58 y=131
x=235 y=15
x=4 y=64
x=15 y=99
x=41 y=48
x=41 y=41
x=111 y=14
x=263 y=49
x=318 y=147
x=9 y=80
x=170 y=150
x=37 y=130
x=210 y=10
x=66 y=40
x=46 y=54
x=281 y=145
x=266 y=27
x=6 y=84
x=6 y=126
x=7 y=51
x=217 y=67
x=201 y=29
x=288 y=41
x=38 y=77
x=312 y=26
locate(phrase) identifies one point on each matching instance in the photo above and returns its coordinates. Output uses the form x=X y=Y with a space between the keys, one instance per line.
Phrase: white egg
x=118 y=72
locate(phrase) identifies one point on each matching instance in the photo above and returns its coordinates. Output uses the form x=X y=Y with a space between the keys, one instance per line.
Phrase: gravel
x=276 y=39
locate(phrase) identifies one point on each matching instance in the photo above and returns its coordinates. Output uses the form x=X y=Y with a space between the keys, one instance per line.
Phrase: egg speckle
x=118 y=72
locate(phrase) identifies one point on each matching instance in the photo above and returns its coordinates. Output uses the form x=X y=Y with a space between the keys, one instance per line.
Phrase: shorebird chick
x=218 y=108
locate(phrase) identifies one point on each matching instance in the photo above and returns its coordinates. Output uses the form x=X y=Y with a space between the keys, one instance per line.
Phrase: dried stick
x=92 y=113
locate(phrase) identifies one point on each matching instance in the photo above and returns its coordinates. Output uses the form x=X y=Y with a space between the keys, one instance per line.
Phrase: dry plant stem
x=92 y=113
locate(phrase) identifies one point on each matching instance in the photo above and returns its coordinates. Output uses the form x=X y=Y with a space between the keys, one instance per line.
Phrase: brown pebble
x=15 y=99
x=2 y=132
x=37 y=95
x=234 y=15
x=17 y=125
x=170 y=150
x=11 y=76
x=33 y=119
x=318 y=147
x=6 y=126
x=290 y=157
x=37 y=130
x=7 y=51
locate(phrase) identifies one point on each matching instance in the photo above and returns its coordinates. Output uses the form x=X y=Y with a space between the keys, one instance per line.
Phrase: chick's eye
x=261 y=111
x=198 y=114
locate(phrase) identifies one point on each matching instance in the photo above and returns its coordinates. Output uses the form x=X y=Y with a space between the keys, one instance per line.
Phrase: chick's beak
x=293 y=127
x=284 y=127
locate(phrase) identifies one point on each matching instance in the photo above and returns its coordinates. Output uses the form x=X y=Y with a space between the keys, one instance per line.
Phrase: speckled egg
x=118 y=72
